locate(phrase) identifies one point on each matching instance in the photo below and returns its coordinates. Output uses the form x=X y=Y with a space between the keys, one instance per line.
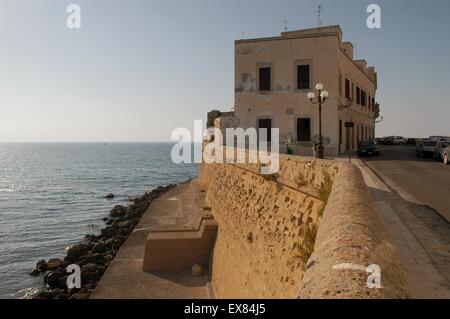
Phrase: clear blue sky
x=138 y=69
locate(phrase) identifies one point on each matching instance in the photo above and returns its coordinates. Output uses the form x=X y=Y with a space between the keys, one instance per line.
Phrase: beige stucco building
x=274 y=75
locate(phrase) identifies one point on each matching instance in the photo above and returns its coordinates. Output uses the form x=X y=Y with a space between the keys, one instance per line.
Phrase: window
x=358 y=95
x=303 y=77
x=267 y=125
x=347 y=89
x=368 y=102
x=363 y=98
x=303 y=129
x=357 y=134
x=340 y=132
x=353 y=137
x=353 y=92
x=264 y=79
x=340 y=83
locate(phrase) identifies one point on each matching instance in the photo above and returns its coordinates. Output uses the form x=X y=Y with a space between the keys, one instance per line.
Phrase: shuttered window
x=303 y=129
x=264 y=79
x=347 y=89
x=265 y=129
x=363 y=98
x=303 y=77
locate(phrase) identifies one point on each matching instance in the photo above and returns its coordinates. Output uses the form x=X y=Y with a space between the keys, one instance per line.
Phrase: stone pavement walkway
x=125 y=278
x=420 y=236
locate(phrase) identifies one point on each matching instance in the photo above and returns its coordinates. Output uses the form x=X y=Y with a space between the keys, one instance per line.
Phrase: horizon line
x=86 y=142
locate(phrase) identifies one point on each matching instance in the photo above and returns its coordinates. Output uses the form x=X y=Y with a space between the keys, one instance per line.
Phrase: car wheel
x=446 y=162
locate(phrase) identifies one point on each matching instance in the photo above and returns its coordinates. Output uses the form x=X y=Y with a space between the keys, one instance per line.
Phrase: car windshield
x=368 y=143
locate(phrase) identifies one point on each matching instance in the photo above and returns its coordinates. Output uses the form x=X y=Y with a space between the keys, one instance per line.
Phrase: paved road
x=425 y=179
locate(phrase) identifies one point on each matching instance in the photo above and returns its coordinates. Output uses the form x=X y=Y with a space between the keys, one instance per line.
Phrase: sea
x=53 y=194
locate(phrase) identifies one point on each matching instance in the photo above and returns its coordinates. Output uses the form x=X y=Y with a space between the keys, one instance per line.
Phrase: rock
x=51 y=294
x=108 y=258
x=91 y=286
x=61 y=296
x=35 y=272
x=54 y=263
x=79 y=295
x=44 y=294
x=63 y=281
x=57 y=294
x=41 y=265
x=197 y=270
x=107 y=232
x=124 y=224
x=91 y=273
x=53 y=279
x=76 y=252
x=117 y=243
x=96 y=259
x=78 y=291
x=140 y=208
x=99 y=248
x=109 y=242
x=90 y=237
x=110 y=196
x=118 y=211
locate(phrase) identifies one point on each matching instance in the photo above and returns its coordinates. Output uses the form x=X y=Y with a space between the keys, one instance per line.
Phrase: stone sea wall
x=279 y=236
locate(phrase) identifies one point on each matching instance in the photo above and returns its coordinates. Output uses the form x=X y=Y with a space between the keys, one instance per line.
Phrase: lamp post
x=380 y=120
x=321 y=98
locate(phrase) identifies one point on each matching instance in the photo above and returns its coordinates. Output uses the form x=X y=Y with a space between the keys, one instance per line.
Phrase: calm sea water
x=52 y=195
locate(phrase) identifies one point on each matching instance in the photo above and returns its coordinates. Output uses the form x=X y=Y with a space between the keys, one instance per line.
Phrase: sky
x=136 y=70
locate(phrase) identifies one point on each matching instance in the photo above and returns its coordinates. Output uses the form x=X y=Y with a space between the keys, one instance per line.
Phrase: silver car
x=425 y=148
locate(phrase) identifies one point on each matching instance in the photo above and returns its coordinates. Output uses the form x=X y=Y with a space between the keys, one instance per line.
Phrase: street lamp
x=380 y=120
x=322 y=96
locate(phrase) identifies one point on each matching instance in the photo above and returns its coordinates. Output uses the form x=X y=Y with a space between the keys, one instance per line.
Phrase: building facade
x=274 y=75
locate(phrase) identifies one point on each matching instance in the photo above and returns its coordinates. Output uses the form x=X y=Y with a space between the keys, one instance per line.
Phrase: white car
x=446 y=156
x=398 y=140
x=439 y=138
x=439 y=150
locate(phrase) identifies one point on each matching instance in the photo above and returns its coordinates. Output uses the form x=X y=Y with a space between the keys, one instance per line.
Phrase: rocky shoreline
x=95 y=255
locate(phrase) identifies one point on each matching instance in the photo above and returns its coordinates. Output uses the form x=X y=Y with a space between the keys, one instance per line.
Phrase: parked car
x=425 y=148
x=389 y=140
x=393 y=140
x=439 y=138
x=366 y=148
x=446 y=156
x=398 y=140
x=439 y=150
x=411 y=141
